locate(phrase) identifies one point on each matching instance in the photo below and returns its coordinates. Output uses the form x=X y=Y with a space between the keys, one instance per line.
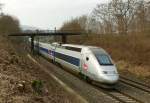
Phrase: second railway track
x=135 y=84
x=120 y=96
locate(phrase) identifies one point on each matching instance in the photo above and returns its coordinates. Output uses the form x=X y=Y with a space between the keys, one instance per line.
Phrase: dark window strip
x=69 y=59
x=73 y=48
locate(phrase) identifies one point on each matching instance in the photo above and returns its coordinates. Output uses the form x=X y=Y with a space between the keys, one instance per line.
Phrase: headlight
x=110 y=72
x=105 y=72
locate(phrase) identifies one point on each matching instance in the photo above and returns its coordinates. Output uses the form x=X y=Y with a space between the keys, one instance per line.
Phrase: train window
x=73 y=49
x=87 y=58
x=67 y=58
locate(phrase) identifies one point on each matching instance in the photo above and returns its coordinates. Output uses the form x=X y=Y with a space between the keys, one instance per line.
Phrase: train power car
x=92 y=62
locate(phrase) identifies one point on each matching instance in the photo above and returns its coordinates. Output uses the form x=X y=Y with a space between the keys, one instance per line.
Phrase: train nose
x=110 y=79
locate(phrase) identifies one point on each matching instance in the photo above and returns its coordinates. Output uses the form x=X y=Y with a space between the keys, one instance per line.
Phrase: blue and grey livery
x=92 y=62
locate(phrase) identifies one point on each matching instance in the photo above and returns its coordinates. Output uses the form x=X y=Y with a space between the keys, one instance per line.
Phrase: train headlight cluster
x=109 y=72
x=105 y=72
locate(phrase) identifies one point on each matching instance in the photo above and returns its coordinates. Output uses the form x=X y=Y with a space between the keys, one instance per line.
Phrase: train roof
x=92 y=48
x=79 y=46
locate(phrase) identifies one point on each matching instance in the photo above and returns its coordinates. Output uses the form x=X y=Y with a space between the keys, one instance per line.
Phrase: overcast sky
x=47 y=14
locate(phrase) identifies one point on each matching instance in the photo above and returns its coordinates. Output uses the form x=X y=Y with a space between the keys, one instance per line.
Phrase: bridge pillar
x=64 y=39
x=32 y=44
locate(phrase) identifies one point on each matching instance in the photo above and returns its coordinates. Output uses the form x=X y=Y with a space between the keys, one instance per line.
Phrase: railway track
x=123 y=97
x=119 y=96
x=135 y=84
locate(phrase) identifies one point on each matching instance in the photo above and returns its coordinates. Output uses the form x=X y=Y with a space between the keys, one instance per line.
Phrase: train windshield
x=102 y=57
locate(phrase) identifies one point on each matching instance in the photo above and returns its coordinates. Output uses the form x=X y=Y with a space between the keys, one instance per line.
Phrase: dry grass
x=140 y=71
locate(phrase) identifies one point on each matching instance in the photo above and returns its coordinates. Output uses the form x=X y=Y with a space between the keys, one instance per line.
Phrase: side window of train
x=87 y=58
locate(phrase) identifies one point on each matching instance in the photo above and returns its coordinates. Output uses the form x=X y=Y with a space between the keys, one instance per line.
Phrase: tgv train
x=92 y=62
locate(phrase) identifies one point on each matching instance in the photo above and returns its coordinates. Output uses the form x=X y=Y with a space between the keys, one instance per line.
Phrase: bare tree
x=141 y=16
x=147 y=6
x=103 y=15
x=141 y=21
x=78 y=24
x=1 y=8
x=72 y=25
x=82 y=20
x=124 y=12
x=118 y=15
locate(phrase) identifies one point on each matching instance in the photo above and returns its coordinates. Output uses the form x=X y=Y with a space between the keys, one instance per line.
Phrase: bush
x=37 y=86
